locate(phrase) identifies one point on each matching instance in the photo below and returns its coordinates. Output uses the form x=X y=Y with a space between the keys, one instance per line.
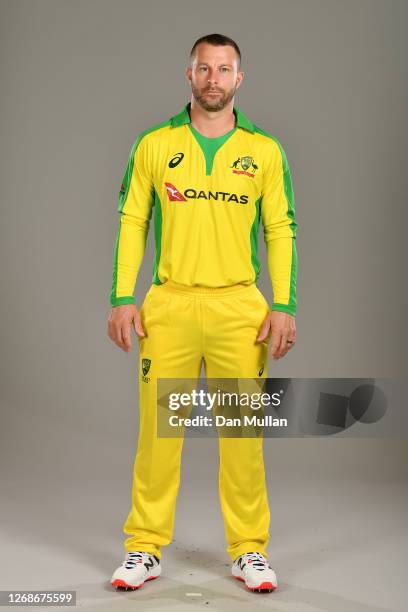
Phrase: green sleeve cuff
x=284 y=308
x=127 y=299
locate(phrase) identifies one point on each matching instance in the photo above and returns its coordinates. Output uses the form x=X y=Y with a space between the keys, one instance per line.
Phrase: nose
x=212 y=78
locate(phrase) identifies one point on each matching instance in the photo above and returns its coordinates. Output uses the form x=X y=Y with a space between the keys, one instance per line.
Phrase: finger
x=114 y=333
x=276 y=340
x=111 y=333
x=119 y=339
x=284 y=346
x=126 y=337
x=264 y=331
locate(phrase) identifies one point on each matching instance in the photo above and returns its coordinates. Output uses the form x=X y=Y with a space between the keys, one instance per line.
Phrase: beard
x=209 y=103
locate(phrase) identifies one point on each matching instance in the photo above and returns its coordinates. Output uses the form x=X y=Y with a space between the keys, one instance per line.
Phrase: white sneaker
x=137 y=568
x=253 y=569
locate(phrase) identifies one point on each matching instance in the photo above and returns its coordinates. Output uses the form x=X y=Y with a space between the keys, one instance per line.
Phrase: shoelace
x=132 y=558
x=256 y=560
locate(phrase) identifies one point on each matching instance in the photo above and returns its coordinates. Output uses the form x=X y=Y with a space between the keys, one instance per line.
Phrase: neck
x=212 y=124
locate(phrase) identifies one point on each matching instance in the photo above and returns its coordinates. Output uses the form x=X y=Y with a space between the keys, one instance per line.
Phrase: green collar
x=184 y=117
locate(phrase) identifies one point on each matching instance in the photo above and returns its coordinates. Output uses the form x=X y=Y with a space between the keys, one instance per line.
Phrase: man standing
x=209 y=176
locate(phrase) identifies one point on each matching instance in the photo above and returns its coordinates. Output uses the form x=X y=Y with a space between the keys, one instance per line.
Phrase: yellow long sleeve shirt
x=208 y=197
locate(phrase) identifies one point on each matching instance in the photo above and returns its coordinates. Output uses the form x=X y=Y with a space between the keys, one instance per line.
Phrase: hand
x=283 y=328
x=120 y=324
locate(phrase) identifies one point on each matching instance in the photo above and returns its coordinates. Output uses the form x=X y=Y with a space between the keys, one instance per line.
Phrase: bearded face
x=214 y=76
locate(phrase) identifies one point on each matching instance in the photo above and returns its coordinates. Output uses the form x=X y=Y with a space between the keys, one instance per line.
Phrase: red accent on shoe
x=263 y=585
x=122 y=583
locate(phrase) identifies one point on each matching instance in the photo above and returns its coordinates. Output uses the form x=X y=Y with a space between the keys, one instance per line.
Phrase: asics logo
x=175 y=160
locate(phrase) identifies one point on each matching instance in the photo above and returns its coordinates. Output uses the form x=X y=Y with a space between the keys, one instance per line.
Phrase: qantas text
x=224 y=196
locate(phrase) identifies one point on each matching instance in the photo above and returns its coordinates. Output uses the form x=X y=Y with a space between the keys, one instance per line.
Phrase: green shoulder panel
x=124 y=189
x=287 y=181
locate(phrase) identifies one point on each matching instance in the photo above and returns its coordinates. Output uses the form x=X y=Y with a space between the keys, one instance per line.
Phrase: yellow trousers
x=184 y=326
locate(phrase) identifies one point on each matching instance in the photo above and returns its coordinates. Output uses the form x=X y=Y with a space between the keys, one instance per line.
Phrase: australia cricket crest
x=243 y=164
x=145 y=368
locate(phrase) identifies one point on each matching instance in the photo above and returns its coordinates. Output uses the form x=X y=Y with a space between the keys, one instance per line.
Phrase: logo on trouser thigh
x=145 y=368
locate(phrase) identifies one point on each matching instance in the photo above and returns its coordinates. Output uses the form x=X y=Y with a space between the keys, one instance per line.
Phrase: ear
x=188 y=74
x=240 y=78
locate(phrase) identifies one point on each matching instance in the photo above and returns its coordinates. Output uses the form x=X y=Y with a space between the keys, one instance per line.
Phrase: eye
x=224 y=69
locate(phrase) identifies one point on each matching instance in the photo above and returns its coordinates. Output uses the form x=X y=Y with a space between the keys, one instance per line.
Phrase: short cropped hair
x=216 y=40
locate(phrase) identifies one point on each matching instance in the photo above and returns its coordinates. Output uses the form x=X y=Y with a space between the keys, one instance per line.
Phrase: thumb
x=264 y=331
x=137 y=324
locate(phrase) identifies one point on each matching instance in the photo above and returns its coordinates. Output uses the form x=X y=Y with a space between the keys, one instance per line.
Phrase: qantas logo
x=223 y=196
x=174 y=194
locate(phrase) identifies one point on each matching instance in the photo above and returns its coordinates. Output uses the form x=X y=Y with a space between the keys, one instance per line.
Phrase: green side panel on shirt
x=158 y=218
x=254 y=240
x=210 y=146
